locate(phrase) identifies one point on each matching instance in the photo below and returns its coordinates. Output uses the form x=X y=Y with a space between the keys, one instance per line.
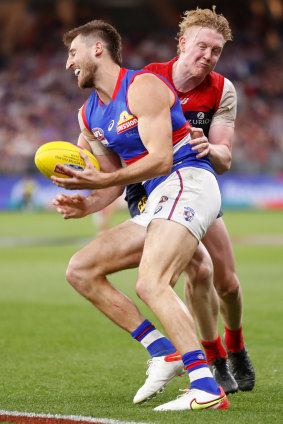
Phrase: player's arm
x=149 y=100
x=220 y=150
x=222 y=130
x=108 y=162
x=78 y=205
x=218 y=145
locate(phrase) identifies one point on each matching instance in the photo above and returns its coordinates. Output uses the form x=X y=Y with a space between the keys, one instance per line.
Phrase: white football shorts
x=189 y=196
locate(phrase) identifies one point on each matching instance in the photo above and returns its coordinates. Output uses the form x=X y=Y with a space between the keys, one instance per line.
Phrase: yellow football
x=68 y=154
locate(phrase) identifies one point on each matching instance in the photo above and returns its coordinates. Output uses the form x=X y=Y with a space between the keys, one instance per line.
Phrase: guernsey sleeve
x=226 y=113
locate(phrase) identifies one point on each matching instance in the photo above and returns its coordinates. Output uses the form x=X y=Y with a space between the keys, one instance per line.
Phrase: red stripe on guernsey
x=160 y=77
x=178 y=197
x=180 y=133
x=119 y=81
x=84 y=117
x=196 y=364
x=129 y=161
x=177 y=136
x=145 y=331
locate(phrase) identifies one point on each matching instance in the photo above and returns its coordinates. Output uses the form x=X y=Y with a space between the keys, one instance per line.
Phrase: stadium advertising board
x=238 y=192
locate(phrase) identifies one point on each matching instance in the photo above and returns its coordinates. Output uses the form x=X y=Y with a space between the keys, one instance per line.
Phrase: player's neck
x=105 y=83
x=184 y=80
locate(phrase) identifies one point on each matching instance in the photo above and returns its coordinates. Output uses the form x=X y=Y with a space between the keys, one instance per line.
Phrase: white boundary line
x=74 y=418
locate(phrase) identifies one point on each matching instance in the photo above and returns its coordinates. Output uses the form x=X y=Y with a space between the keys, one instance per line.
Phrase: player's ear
x=98 y=48
x=182 y=43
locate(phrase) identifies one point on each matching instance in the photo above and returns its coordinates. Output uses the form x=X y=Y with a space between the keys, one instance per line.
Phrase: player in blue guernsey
x=125 y=138
x=184 y=197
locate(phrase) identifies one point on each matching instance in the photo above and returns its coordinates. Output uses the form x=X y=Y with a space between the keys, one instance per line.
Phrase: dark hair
x=102 y=30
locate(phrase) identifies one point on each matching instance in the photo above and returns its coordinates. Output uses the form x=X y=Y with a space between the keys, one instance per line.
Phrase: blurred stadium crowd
x=39 y=99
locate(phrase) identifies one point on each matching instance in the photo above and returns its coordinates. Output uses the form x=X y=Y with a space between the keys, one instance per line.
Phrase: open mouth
x=77 y=71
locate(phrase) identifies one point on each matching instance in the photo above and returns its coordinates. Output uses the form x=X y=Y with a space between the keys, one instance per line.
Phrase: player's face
x=81 y=62
x=200 y=50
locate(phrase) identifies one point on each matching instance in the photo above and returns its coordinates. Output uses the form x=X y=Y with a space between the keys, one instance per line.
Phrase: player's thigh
x=219 y=246
x=168 y=248
x=115 y=249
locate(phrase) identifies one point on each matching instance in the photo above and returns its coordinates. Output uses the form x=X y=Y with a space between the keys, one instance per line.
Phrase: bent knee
x=142 y=290
x=74 y=272
x=205 y=273
x=147 y=291
x=227 y=285
x=199 y=274
x=80 y=276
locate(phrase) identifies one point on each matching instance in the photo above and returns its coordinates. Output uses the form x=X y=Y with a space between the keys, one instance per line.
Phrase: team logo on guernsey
x=163 y=199
x=189 y=213
x=110 y=126
x=126 y=122
x=184 y=101
x=99 y=135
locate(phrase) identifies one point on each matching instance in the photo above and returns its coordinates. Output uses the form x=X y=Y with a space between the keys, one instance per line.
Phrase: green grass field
x=61 y=356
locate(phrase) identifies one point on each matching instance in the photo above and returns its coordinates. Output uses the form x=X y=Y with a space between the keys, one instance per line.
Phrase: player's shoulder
x=148 y=79
x=156 y=66
x=218 y=81
x=162 y=68
x=140 y=92
x=143 y=80
x=215 y=80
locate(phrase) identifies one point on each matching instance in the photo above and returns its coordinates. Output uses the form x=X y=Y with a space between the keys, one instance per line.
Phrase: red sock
x=214 y=350
x=234 y=339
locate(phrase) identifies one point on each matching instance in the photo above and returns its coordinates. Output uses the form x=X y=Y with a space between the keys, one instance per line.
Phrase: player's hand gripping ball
x=50 y=154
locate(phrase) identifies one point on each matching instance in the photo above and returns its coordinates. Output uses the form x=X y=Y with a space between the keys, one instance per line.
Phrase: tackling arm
x=220 y=149
x=218 y=146
x=222 y=129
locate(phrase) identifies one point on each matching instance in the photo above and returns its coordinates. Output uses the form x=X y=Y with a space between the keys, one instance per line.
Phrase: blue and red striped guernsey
x=116 y=127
